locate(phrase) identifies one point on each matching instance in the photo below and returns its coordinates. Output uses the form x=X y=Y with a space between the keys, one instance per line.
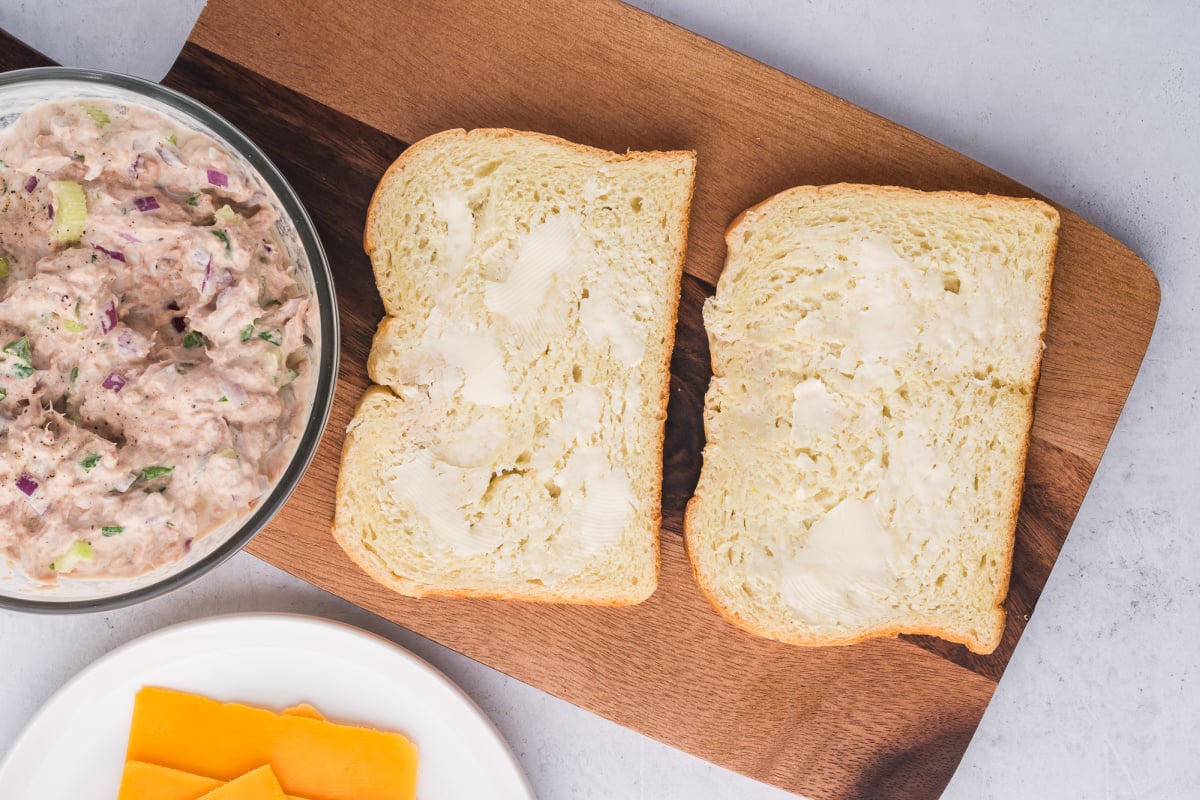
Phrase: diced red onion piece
x=207 y=277
x=217 y=178
x=27 y=485
x=134 y=168
x=116 y=255
x=50 y=208
x=146 y=204
x=169 y=158
x=31 y=184
x=108 y=320
x=129 y=237
x=187 y=544
x=125 y=483
x=234 y=393
x=114 y=382
x=125 y=342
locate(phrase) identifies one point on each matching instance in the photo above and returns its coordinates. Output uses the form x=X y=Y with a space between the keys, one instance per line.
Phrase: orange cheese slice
x=142 y=781
x=311 y=758
x=303 y=710
x=257 y=784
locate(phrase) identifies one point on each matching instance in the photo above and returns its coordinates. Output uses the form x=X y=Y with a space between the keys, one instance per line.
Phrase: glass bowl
x=23 y=89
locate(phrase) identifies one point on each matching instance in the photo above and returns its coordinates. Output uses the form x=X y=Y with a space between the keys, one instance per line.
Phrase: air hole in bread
x=487 y=168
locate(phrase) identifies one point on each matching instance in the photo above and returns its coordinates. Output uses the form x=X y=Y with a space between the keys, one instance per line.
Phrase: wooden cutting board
x=333 y=91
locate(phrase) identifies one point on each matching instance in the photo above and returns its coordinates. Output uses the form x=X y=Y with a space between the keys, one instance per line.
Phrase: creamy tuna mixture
x=154 y=337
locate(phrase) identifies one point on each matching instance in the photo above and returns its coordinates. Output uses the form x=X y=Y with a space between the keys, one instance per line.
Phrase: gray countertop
x=1095 y=105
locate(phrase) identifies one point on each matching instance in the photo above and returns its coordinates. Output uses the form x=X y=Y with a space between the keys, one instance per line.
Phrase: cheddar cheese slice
x=303 y=710
x=311 y=758
x=142 y=781
x=258 y=784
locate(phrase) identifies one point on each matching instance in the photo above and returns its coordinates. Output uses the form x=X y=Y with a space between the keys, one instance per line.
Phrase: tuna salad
x=154 y=340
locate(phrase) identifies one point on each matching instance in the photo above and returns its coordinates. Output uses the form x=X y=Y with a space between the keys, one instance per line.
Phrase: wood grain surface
x=333 y=90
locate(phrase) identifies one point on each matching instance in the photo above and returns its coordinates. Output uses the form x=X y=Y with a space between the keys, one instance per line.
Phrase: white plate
x=75 y=746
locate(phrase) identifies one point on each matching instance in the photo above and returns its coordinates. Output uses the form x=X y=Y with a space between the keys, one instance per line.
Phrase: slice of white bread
x=514 y=448
x=875 y=352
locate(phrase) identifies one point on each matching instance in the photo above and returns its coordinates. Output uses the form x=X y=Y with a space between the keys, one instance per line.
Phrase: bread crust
x=353 y=545
x=982 y=644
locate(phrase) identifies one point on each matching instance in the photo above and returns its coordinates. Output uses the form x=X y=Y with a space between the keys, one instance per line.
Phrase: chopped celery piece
x=5 y=267
x=226 y=214
x=192 y=340
x=150 y=473
x=78 y=551
x=224 y=237
x=112 y=530
x=247 y=332
x=73 y=325
x=90 y=461
x=97 y=115
x=70 y=211
x=272 y=337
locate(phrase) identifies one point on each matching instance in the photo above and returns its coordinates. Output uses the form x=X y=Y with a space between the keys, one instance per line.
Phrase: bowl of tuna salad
x=168 y=340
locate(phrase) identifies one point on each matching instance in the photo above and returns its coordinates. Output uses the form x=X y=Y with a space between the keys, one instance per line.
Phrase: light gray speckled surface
x=1093 y=104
